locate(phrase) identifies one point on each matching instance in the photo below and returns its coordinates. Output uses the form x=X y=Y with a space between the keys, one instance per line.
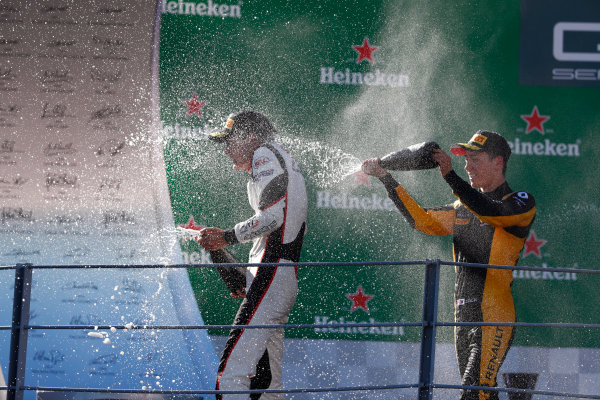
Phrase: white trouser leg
x=275 y=349
x=273 y=309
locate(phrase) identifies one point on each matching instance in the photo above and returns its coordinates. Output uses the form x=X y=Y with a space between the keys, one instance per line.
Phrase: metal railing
x=20 y=327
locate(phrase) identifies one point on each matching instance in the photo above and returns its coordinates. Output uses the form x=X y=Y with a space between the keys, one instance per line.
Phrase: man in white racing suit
x=252 y=358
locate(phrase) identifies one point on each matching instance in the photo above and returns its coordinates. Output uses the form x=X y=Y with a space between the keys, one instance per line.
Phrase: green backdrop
x=429 y=71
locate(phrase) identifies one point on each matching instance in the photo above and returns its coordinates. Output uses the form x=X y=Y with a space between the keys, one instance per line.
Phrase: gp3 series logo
x=560 y=43
x=561 y=29
x=589 y=34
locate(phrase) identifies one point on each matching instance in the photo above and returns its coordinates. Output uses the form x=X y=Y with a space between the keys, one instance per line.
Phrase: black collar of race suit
x=500 y=191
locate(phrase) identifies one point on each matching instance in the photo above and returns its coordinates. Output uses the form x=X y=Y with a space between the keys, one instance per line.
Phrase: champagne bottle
x=234 y=278
x=415 y=157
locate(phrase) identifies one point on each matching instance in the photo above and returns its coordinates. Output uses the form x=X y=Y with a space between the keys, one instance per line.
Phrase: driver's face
x=240 y=150
x=482 y=169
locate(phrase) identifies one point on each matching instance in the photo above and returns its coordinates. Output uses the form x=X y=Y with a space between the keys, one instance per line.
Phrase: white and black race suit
x=277 y=193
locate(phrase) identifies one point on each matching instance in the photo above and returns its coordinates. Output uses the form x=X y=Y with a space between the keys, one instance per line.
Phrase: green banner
x=351 y=80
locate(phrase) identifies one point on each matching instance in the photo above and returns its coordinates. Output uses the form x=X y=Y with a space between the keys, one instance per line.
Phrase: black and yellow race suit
x=487 y=228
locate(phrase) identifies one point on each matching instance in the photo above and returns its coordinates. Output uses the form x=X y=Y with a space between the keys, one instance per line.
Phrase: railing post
x=18 y=335
x=428 y=331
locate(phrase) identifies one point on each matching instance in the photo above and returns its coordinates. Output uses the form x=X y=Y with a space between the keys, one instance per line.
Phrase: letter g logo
x=558 y=47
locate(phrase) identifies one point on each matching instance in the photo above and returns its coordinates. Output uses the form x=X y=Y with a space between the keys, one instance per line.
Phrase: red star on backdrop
x=359 y=299
x=191 y=224
x=365 y=51
x=194 y=106
x=535 y=121
x=533 y=245
x=360 y=178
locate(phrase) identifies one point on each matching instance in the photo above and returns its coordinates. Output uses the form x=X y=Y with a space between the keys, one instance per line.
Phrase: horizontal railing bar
x=312 y=264
x=298 y=390
x=307 y=326
x=521 y=268
x=522 y=324
x=528 y=391
x=273 y=326
x=309 y=390
x=240 y=264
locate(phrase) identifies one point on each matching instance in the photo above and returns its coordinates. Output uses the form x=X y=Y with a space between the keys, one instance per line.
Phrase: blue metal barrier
x=20 y=327
x=430 y=302
x=19 y=330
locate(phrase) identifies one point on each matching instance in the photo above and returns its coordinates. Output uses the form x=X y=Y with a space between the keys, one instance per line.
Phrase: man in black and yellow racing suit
x=489 y=226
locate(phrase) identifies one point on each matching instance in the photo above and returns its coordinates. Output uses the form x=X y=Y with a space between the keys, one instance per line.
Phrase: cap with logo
x=491 y=142
x=244 y=122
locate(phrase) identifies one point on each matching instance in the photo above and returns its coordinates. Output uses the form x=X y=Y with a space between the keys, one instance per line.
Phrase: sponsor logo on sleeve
x=261 y=161
x=263 y=174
